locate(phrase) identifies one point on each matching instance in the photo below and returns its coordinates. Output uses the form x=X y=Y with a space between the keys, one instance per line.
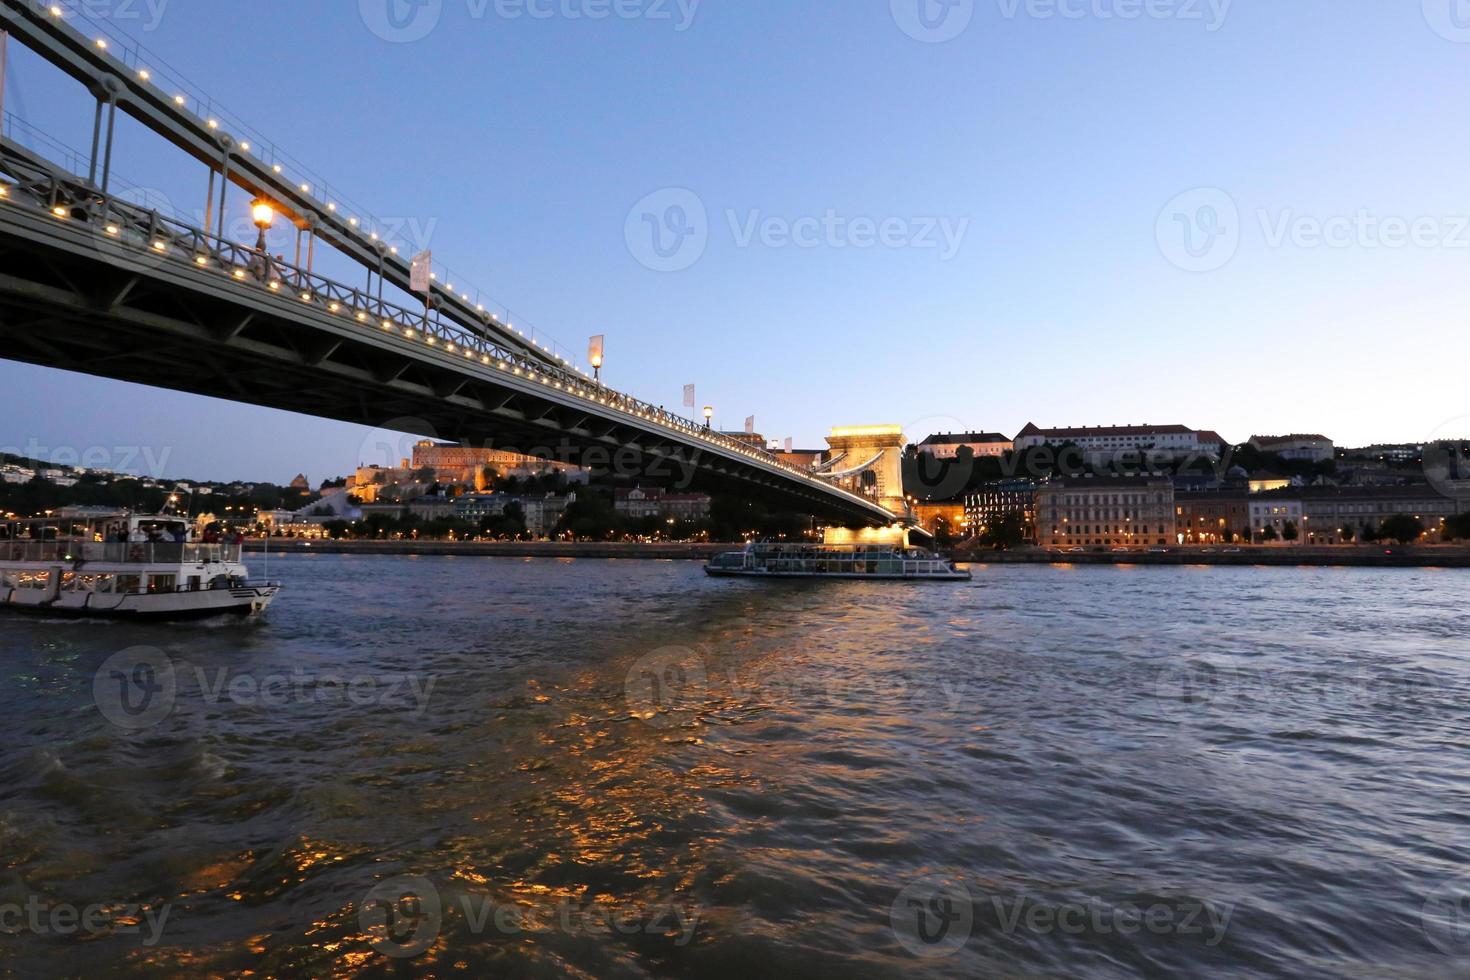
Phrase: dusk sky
x=1247 y=217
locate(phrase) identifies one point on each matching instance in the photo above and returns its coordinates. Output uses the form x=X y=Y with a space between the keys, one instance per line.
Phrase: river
x=535 y=768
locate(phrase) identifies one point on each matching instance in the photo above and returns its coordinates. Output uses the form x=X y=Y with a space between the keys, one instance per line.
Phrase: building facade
x=948 y=444
x=1130 y=512
x=1341 y=515
x=1276 y=518
x=994 y=502
x=1209 y=517
x=1101 y=444
x=1307 y=448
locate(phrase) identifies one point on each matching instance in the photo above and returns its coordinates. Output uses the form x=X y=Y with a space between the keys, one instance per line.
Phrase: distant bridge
x=94 y=284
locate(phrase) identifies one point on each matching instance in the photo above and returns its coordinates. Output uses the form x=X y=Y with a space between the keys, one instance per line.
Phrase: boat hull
x=249 y=600
x=956 y=576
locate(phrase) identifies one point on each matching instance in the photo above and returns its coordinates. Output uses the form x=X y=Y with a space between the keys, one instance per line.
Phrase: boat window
x=162 y=583
x=129 y=583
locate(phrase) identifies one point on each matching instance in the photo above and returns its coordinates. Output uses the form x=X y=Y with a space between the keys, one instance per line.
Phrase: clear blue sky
x=1055 y=143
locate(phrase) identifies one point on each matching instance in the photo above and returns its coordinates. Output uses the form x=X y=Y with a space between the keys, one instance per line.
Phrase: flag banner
x=688 y=396
x=3 y=39
x=750 y=425
x=594 y=349
x=789 y=444
x=420 y=272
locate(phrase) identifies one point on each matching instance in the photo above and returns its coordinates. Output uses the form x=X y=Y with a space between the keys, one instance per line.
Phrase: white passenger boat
x=857 y=561
x=125 y=566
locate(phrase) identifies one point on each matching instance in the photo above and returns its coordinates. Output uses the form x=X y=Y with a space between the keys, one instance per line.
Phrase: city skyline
x=1041 y=297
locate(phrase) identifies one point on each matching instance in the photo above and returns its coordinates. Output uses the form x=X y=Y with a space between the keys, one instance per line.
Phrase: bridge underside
x=70 y=300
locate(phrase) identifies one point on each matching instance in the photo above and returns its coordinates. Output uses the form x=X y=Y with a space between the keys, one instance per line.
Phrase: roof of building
x=962 y=438
x=1294 y=437
x=1105 y=430
x=1210 y=435
x=1107 y=482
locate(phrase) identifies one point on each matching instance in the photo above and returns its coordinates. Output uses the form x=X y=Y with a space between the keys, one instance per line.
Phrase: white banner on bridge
x=688 y=396
x=790 y=442
x=421 y=272
x=750 y=425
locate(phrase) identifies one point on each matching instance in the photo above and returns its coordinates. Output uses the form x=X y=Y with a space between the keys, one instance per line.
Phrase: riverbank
x=666 y=551
x=1362 y=557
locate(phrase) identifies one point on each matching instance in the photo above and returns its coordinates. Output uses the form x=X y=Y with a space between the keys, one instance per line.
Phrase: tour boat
x=127 y=566
x=857 y=561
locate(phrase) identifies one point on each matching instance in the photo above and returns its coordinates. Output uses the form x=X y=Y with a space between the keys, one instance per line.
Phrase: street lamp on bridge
x=709 y=413
x=263 y=213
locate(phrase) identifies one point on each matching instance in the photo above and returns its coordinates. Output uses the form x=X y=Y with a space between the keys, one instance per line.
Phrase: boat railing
x=119 y=552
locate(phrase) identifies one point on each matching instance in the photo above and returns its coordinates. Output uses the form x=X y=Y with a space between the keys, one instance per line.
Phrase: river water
x=534 y=768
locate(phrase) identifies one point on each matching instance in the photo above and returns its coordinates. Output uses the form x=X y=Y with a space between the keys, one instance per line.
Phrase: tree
x=1457 y=528
x=1269 y=534
x=1006 y=533
x=1347 y=534
x=1289 y=531
x=1402 y=528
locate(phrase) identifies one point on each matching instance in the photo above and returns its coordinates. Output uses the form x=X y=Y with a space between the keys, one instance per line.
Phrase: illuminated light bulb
x=500 y=364
x=161 y=246
x=178 y=100
x=352 y=222
x=306 y=188
x=331 y=206
x=408 y=332
x=143 y=74
x=55 y=11
x=275 y=285
x=429 y=339
x=245 y=147
x=102 y=43
x=306 y=297
x=112 y=229
x=361 y=315
x=394 y=249
x=239 y=273
x=387 y=325
x=276 y=168
x=59 y=212
x=373 y=236
x=334 y=307
x=214 y=124
x=201 y=260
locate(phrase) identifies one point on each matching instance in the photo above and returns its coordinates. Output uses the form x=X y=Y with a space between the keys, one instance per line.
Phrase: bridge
x=93 y=282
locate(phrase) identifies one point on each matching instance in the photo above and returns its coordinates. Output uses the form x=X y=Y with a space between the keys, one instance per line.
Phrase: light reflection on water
x=648 y=773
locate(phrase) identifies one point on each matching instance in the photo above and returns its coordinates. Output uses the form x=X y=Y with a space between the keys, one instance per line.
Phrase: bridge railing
x=128 y=227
